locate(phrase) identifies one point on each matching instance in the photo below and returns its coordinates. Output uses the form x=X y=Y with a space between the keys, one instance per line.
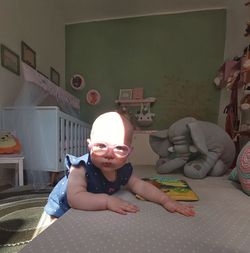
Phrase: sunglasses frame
x=91 y=145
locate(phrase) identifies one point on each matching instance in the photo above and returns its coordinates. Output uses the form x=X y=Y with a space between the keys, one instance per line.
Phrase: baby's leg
x=44 y=222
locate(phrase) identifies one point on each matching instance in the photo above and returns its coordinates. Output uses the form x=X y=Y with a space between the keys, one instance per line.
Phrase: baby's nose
x=110 y=154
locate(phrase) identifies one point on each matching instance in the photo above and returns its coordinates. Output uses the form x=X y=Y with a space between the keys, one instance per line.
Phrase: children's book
x=175 y=188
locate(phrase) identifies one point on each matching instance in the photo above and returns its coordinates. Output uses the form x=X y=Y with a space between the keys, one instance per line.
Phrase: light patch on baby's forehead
x=108 y=128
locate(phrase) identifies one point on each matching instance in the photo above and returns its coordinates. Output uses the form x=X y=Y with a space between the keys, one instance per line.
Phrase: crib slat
x=78 y=139
x=74 y=138
x=67 y=136
x=62 y=140
x=71 y=151
x=53 y=133
x=85 y=140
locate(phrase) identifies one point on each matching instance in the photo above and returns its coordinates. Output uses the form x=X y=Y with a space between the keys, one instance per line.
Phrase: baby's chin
x=108 y=167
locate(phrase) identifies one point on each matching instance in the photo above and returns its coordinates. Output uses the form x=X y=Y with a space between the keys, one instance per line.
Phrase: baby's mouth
x=107 y=164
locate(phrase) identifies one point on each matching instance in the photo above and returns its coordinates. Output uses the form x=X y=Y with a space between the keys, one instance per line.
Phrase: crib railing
x=73 y=135
x=46 y=135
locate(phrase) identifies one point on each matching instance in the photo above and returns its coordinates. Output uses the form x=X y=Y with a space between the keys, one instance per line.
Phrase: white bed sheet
x=222 y=224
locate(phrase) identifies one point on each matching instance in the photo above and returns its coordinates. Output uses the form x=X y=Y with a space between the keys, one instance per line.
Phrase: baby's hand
x=120 y=206
x=174 y=206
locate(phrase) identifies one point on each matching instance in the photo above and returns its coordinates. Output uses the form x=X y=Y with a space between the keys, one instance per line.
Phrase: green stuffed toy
x=241 y=173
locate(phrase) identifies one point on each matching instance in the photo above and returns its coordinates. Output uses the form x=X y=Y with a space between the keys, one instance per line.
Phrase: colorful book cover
x=175 y=188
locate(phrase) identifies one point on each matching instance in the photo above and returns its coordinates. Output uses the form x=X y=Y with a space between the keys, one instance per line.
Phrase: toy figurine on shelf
x=144 y=117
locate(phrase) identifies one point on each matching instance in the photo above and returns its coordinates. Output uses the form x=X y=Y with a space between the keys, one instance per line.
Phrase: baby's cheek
x=96 y=160
x=121 y=161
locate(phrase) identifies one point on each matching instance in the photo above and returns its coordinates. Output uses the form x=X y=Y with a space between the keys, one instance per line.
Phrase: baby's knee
x=44 y=222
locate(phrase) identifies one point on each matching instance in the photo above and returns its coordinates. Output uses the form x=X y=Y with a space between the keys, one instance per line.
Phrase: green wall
x=173 y=57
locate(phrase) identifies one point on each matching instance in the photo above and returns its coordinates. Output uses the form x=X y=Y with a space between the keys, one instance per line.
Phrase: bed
x=222 y=224
x=46 y=134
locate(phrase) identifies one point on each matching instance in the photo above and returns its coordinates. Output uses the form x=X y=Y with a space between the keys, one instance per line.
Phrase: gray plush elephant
x=201 y=148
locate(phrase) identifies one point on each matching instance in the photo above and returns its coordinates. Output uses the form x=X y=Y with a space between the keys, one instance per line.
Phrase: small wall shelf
x=136 y=102
x=143 y=117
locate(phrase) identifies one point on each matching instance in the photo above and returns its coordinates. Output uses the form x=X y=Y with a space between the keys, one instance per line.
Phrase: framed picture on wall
x=125 y=94
x=28 y=55
x=77 y=82
x=54 y=76
x=93 y=97
x=138 y=93
x=10 y=60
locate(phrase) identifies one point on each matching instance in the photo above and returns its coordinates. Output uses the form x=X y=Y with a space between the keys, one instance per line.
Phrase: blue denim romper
x=57 y=203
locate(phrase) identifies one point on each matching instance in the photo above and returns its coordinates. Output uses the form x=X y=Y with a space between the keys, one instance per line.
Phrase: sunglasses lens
x=102 y=148
x=121 y=151
x=99 y=148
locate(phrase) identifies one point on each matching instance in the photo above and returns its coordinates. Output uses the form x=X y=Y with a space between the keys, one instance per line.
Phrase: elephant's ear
x=159 y=142
x=198 y=137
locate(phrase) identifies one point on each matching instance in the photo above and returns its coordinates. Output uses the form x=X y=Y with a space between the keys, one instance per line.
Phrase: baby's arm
x=77 y=194
x=79 y=198
x=152 y=193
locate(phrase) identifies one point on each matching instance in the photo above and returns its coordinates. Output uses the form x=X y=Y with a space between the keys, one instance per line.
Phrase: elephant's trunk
x=166 y=166
x=181 y=146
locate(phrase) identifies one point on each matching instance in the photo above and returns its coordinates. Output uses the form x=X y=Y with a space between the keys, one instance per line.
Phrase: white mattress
x=222 y=224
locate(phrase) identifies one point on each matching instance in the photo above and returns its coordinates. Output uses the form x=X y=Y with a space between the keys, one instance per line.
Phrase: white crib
x=46 y=135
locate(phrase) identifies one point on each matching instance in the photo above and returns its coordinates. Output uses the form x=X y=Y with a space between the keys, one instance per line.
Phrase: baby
x=93 y=178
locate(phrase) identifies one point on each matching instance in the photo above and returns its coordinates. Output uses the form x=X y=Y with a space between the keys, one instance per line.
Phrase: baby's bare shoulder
x=77 y=176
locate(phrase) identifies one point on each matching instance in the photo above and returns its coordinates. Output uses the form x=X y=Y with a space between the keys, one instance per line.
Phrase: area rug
x=20 y=214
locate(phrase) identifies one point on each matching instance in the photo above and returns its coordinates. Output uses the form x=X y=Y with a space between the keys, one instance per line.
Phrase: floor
x=5 y=187
x=11 y=188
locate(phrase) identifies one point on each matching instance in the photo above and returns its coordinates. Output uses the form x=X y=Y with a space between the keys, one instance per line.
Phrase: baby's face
x=108 y=161
x=110 y=142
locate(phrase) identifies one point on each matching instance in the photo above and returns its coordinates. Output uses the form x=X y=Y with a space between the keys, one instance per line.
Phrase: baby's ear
x=88 y=141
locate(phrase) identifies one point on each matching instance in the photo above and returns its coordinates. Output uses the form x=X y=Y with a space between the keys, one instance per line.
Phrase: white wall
x=40 y=24
x=86 y=10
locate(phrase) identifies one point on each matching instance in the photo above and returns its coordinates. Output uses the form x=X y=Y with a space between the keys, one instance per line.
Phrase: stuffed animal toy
x=245 y=103
x=241 y=173
x=144 y=117
x=9 y=144
x=245 y=109
x=201 y=148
